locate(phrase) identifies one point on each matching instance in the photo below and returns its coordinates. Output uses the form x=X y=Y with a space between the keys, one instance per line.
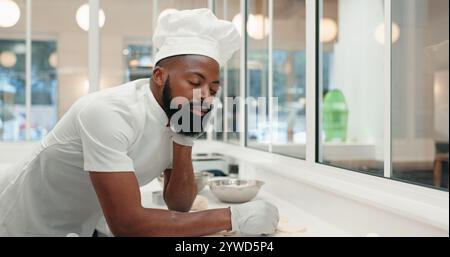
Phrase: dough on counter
x=226 y=233
x=286 y=228
x=223 y=233
x=200 y=203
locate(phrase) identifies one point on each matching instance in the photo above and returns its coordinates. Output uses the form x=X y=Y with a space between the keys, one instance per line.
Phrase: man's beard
x=196 y=123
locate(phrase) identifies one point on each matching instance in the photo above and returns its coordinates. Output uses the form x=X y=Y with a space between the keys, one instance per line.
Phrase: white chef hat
x=196 y=31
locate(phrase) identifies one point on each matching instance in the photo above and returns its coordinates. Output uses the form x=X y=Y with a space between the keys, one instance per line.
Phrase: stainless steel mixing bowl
x=231 y=190
x=201 y=178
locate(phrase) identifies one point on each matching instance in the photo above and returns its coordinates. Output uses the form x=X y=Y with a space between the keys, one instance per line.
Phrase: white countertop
x=288 y=212
x=327 y=202
x=313 y=225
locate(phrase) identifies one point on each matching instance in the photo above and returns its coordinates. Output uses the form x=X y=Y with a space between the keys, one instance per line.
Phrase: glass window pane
x=230 y=10
x=232 y=112
x=289 y=78
x=420 y=91
x=351 y=85
x=218 y=132
x=59 y=60
x=125 y=42
x=257 y=75
x=12 y=72
x=44 y=87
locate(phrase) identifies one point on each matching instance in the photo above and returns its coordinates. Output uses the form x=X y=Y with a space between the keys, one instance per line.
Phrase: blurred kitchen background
x=376 y=107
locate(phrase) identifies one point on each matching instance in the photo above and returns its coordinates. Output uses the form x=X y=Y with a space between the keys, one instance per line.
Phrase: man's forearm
x=181 y=188
x=156 y=222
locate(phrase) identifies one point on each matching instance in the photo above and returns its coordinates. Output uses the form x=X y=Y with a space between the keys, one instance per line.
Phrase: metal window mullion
x=209 y=133
x=270 y=70
x=212 y=5
x=311 y=61
x=242 y=75
x=28 y=54
x=225 y=84
x=319 y=82
x=94 y=46
x=387 y=90
x=154 y=21
x=225 y=104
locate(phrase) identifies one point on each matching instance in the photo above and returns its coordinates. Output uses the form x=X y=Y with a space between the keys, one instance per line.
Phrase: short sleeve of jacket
x=106 y=134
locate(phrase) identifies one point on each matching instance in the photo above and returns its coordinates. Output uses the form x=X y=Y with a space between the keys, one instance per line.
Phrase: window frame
x=418 y=202
x=28 y=38
x=313 y=76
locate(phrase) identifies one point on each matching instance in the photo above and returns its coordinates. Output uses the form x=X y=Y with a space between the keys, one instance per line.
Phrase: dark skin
x=118 y=192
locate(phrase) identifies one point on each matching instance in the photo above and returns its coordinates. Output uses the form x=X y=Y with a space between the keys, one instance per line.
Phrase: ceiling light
x=328 y=30
x=257 y=25
x=380 y=33
x=9 y=13
x=8 y=59
x=82 y=17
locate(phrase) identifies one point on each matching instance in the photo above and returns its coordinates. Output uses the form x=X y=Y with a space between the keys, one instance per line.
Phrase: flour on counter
x=200 y=203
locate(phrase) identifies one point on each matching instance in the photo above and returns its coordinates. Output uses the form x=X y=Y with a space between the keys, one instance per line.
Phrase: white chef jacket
x=50 y=192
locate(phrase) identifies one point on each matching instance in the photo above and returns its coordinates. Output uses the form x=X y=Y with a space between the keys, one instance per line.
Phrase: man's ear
x=159 y=76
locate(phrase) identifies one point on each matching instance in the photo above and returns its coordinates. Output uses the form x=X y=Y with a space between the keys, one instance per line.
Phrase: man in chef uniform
x=112 y=142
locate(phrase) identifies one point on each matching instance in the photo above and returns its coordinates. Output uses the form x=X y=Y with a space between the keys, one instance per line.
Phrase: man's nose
x=206 y=92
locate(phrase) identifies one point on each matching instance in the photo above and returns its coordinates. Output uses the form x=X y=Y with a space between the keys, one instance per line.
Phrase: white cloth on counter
x=119 y=129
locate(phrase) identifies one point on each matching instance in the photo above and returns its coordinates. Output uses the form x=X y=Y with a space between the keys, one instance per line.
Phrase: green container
x=335 y=116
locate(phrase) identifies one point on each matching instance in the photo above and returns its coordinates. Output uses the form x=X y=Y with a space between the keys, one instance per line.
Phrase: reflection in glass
x=230 y=10
x=289 y=78
x=351 y=85
x=420 y=92
x=44 y=85
x=12 y=90
x=59 y=62
x=257 y=78
x=138 y=60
